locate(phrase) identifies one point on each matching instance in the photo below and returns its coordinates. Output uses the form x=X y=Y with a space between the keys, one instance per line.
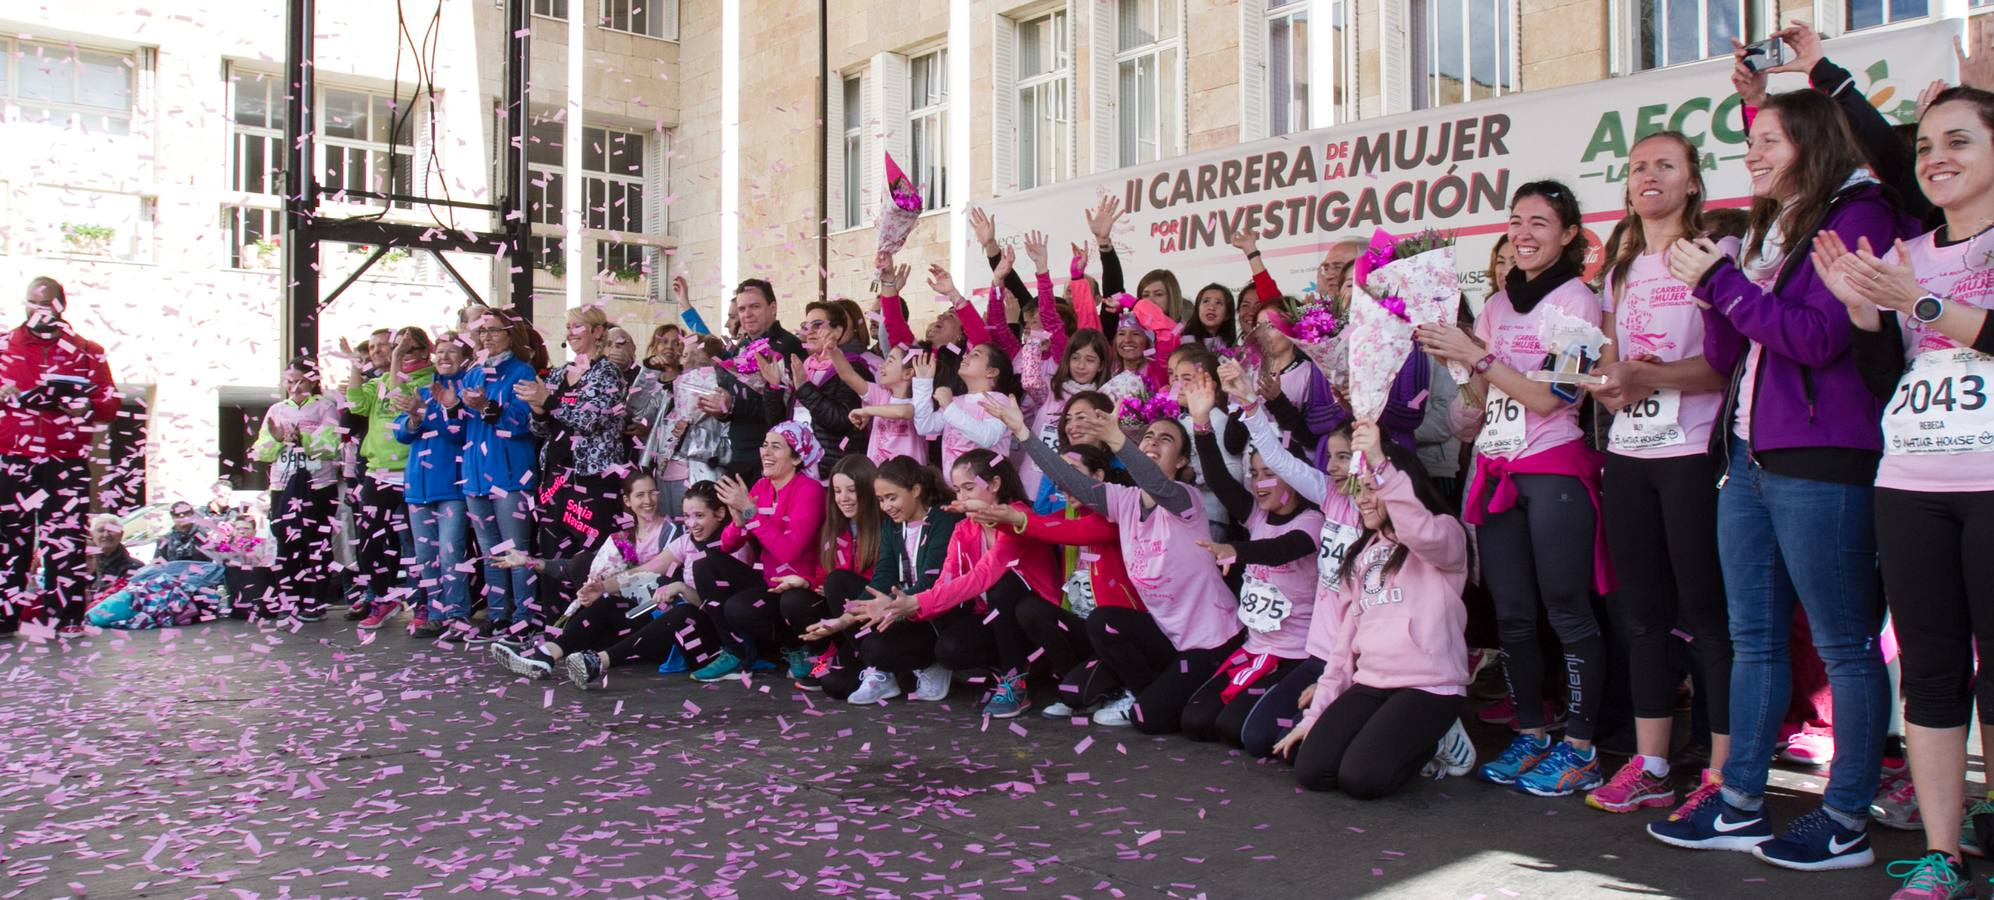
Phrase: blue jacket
x=436 y=447
x=499 y=450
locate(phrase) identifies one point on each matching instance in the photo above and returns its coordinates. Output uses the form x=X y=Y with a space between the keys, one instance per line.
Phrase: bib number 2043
x=1964 y=393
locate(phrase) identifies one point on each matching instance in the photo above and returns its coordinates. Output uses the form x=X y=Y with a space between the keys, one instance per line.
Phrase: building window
x=364 y=144
x=255 y=237
x=1147 y=61
x=615 y=185
x=68 y=87
x=855 y=161
x=1680 y=31
x=1287 y=66
x=553 y=9
x=256 y=159
x=1045 y=89
x=652 y=18
x=1462 y=50
x=928 y=125
x=1871 y=13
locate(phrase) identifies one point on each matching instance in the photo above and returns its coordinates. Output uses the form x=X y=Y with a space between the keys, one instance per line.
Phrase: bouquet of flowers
x=1413 y=278
x=747 y=361
x=1137 y=412
x=898 y=209
x=1311 y=322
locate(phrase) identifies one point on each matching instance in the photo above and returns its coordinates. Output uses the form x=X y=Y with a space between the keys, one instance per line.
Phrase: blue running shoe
x=1522 y=754
x=1816 y=842
x=1009 y=699
x=674 y=662
x=799 y=663
x=1566 y=771
x=1713 y=824
x=722 y=665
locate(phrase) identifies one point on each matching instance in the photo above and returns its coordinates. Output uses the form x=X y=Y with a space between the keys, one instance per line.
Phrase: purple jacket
x=1808 y=391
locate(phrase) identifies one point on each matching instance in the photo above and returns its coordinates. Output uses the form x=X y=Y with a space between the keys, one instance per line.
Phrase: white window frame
x=1298 y=107
x=553 y=9
x=928 y=165
x=241 y=134
x=1504 y=31
x=661 y=17
x=544 y=179
x=368 y=148
x=1891 y=16
x=1053 y=90
x=72 y=114
x=1637 y=51
x=1168 y=141
x=849 y=154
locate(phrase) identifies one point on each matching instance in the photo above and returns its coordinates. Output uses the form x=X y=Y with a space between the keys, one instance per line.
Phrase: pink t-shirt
x=892 y=437
x=1294 y=580
x=1658 y=318
x=1933 y=424
x=955 y=442
x=1183 y=590
x=1512 y=337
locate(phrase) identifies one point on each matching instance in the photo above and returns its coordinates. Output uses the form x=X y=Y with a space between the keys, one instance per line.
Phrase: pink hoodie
x=1405 y=630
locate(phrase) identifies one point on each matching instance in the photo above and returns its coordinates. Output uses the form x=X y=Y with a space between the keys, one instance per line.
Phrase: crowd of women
x=1791 y=434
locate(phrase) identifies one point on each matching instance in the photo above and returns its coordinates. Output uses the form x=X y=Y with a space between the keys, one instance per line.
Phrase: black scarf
x=1524 y=292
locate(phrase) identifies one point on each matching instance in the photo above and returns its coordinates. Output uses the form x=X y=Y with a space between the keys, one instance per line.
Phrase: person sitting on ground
x=110 y=563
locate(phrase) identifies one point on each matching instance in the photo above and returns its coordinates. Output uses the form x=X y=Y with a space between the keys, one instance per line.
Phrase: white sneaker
x=1118 y=713
x=874 y=686
x=520 y=664
x=1454 y=756
x=1061 y=710
x=932 y=683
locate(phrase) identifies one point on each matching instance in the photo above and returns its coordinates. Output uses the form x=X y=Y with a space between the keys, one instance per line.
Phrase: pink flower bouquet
x=898 y=209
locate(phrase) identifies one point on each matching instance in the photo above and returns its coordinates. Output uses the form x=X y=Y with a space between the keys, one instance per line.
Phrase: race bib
x=1502 y=425
x=1941 y=405
x=1336 y=540
x=1080 y=592
x=1262 y=607
x=1650 y=423
x=1049 y=434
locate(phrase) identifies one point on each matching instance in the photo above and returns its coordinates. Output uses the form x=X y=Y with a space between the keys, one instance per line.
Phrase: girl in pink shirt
x=889 y=410
x=1534 y=492
x=958 y=417
x=1660 y=484
x=1398 y=675
x=1278 y=595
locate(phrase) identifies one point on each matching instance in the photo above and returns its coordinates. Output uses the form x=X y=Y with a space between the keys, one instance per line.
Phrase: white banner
x=1450 y=169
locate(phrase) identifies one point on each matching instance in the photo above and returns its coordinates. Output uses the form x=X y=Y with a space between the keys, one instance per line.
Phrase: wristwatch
x=1928 y=308
x=1482 y=365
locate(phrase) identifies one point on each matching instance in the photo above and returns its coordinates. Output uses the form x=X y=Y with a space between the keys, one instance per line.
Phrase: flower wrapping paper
x=1377 y=343
x=1431 y=292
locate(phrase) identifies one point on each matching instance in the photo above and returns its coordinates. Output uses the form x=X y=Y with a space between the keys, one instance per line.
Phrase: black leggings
x=595 y=627
x=1275 y=712
x=302 y=520
x=381 y=520
x=574 y=515
x=1540 y=553
x=1208 y=717
x=736 y=596
x=1371 y=740
x=1141 y=659
x=1938 y=577
x=989 y=639
x=1057 y=638
x=1661 y=527
x=651 y=641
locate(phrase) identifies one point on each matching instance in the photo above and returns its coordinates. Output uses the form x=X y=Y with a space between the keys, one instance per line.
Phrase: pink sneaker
x=379 y=615
x=1712 y=781
x=1501 y=712
x=1630 y=789
x=1809 y=748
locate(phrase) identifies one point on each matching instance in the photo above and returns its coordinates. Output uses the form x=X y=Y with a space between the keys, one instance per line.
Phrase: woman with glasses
x=498 y=461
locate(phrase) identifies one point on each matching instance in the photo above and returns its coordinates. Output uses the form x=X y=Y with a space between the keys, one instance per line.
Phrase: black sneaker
x=486 y=633
x=428 y=631
x=358 y=611
x=519 y=639
x=457 y=631
x=583 y=668
x=311 y=614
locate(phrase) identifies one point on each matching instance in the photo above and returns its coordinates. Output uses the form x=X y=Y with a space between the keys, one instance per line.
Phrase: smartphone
x=693 y=321
x=1765 y=54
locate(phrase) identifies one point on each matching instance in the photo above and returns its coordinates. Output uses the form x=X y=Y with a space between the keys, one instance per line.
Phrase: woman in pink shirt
x=1159 y=657
x=1396 y=680
x=1534 y=492
x=957 y=417
x=1277 y=598
x=1660 y=483
x=1924 y=333
x=780 y=516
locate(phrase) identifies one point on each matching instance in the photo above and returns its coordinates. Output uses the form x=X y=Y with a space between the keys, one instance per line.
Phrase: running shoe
x=487 y=630
x=1522 y=754
x=1117 y=713
x=1009 y=699
x=1896 y=803
x=1454 y=756
x=457 y=631
x=360 y=609
x=1711 y=782
x=583 y=668
x=70 y=631
x=874 y=686
x=1501 y=712
x=1631 y=788
x=1712 y=824
x=1816 y=842
x=722 y=665
x=799 y=663
x=932 y=683
x=674 y=662
x=530 y=665
x=1058 y=709
x=379 y=615
x=1566 y=771
x=1934 y=876
x=427 y=630
x=1809 y=748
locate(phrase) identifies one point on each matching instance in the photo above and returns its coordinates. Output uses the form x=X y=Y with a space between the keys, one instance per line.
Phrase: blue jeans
x=505 y=519
x=438 y=531
x=1783 y=539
